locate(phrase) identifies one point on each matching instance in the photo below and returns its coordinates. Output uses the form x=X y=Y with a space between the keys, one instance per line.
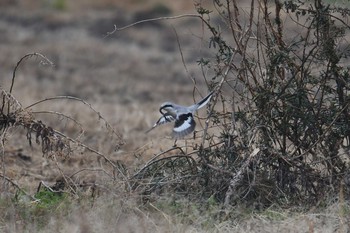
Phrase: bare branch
x=238 y=176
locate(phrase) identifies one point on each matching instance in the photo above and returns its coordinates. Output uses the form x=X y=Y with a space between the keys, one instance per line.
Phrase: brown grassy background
x=125 y=77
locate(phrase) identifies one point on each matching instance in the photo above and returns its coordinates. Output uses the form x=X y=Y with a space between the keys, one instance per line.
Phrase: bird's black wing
x=184 y=125
x=166 y=118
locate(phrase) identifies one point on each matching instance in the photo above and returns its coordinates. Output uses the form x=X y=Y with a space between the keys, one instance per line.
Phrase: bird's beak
x=161 y=111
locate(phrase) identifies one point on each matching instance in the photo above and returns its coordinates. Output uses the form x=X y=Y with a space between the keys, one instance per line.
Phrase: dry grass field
x=121 y=79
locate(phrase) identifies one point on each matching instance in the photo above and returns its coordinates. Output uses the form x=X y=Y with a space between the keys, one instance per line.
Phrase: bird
x=182 y=115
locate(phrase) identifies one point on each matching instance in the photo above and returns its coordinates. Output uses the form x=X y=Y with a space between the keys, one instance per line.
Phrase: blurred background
x=125 y=75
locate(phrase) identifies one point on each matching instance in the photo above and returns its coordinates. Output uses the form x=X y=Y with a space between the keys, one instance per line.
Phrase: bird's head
x=167 y=107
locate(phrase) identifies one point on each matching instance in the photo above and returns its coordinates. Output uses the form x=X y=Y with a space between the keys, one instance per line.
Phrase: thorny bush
x=279 y=125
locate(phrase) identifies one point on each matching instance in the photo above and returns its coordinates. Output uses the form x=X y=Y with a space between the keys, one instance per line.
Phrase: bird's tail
x=204 y=101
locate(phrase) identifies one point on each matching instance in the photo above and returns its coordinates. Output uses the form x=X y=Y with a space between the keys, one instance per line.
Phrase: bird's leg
x=175 y=143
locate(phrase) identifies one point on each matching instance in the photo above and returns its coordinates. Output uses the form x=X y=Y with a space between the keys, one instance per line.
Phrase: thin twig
x=183 y=60
x=151 y=161
x=17 y=187
x=238 y=176
x=49 y=188
x=152 y=20
x=20 y=61
x=16 y=67
x=65 y=116
x=218 y=87
x=3 y=167
x=329 y=127
x=91 y=169
x=118 y=168
x=108 y=126
x=74 y=190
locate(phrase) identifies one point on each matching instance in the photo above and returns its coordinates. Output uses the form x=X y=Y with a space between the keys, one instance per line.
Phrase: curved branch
x=108 y=126
x=157 y=19
x=82 y=131
x=29 y=55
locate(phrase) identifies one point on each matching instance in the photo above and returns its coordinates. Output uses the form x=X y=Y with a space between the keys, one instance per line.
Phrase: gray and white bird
x=183 y=116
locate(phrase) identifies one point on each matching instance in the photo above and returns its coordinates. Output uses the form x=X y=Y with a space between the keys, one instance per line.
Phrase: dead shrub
x=55 y=145
x=278 y=129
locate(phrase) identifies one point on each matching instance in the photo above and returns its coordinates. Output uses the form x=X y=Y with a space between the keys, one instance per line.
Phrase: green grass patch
x=29 y=212
x=49 y=200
